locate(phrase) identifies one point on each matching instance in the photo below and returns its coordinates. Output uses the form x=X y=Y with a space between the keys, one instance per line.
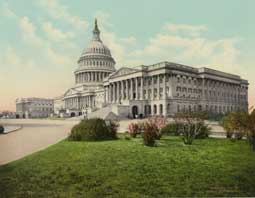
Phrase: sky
x=41 y=40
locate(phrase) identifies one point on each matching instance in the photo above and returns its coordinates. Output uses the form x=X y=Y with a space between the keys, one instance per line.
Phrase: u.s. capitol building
x=160 y=89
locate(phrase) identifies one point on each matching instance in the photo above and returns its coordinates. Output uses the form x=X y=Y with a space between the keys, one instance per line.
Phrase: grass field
x=127 y=168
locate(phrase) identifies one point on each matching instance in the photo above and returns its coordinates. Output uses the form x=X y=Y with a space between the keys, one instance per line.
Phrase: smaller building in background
x=59 y=107
x=34 y=107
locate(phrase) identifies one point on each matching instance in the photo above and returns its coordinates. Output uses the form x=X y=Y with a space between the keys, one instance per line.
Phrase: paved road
x=34 y=136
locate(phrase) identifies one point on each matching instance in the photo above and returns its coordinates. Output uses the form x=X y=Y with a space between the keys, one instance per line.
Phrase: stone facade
x=34 y=107
x=159 y=89
x=167 y=88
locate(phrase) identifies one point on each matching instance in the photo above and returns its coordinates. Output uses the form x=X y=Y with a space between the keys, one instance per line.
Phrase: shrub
x=1 y=129
x=134 y=129
x=157 y=123
x=189 y=132
x=234 y=124
x=93 y=130
x=204 y=131
x=126 y=135
x=190 y=125
x=113 y=128
x=171 y=129
x=215 y=116
x=238 y=135
x=149 y=135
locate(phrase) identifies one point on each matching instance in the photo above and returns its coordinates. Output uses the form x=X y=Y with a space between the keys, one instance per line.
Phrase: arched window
x=168 y=108
x=161 y=109
x=154 y=109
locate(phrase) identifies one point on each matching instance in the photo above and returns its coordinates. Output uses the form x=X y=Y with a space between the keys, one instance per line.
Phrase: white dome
x=97 y=55
x=95 y=63
x=97 y=47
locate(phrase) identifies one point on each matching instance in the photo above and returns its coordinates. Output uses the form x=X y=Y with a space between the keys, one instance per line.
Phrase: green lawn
x=127 y=168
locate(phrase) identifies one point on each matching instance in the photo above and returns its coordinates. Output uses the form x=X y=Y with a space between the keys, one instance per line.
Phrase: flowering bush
x=133 y=129
x=152 y=130
x=156 y=124
x=149 y=135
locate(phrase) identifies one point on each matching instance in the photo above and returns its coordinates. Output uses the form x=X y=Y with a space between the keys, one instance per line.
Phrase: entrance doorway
x=135 y=111
x=72 y=114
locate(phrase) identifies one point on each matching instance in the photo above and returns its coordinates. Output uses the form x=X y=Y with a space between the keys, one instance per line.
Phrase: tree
x=190 y=125
x=234 y=124
x=249 y=125
x=241 y=122
x=152 y=130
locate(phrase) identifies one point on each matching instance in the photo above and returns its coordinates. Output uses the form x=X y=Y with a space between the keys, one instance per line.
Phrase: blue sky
x=41 y=40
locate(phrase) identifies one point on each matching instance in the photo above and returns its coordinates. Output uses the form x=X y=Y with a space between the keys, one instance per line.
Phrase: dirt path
x=34 y=136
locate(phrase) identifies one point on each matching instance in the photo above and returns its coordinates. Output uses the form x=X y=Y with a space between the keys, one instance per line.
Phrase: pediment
x=71 y=91
x=123 y=71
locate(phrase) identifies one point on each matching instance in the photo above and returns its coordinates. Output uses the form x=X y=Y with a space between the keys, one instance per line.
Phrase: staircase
x=100 y=113
x=104 y=112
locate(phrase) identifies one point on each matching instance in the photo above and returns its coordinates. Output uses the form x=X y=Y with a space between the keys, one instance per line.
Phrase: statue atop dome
x=96 y=32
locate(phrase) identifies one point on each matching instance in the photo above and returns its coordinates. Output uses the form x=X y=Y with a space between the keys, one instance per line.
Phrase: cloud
x=41 y=45
x=60 y=11
x=28 y=31
x=128 y=40
x=6 y=10
x=192 y=30
x=189 y=49
x=55 y=34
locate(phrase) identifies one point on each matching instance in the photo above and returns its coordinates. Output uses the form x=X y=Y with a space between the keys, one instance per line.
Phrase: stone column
x=158 y=87
x=118 y=92
x=171 y=86
x=114 y=92
x=203 y=89
x=131 y=89
x=141 y=89
x=127 y=97
x=122 y=90
x=164 y=86
x=152 y=88
x=136 y=88
x=109 y=93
